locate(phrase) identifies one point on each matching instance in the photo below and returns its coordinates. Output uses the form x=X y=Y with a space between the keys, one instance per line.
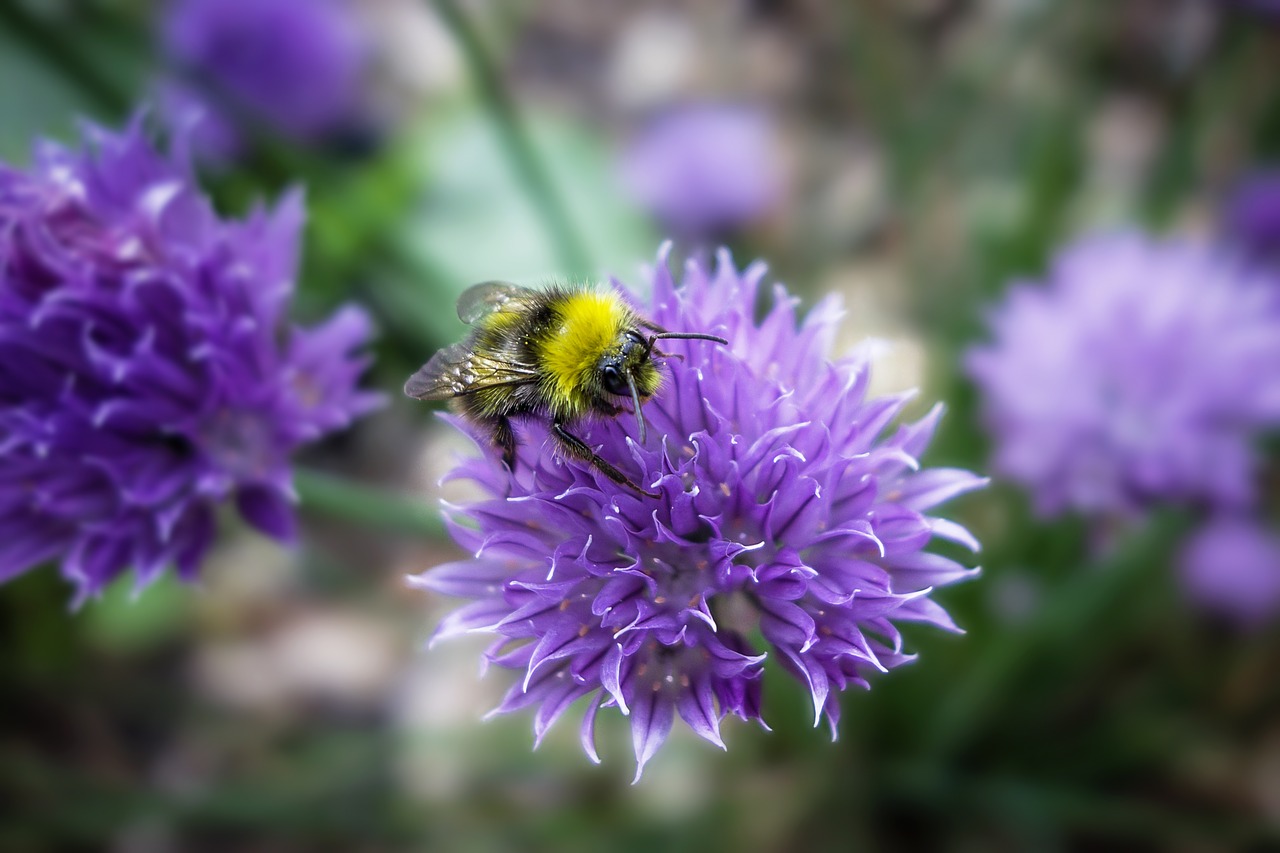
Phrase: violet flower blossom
x=148 y=372
x=702 y=170
x=791 y=530
x=1140 y=371
x=295 y=66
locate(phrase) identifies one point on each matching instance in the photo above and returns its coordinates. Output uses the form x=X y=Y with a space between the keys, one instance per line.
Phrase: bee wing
x=444 y=376
x=488 y=297
x=458 y=369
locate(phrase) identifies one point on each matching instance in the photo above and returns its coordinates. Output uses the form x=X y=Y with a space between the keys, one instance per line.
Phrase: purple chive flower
x=1140 y=371
x=147 y=370
x=297 y=66
x=703 y=170
x=791 y=531
x=1232 y=568
x=1253 y=215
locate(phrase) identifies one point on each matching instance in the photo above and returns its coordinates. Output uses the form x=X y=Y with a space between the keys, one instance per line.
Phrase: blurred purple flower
x=1262 y=7
x=295 y=65
x=147 y=370
x=702 y=170
x=1232 y=567
x=1140 y=371
x=785 y=510
x=1253 y=216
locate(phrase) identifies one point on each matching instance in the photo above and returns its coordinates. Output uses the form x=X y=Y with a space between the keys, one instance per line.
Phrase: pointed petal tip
x=714 y=738
x=431 y=641
x=641 y=763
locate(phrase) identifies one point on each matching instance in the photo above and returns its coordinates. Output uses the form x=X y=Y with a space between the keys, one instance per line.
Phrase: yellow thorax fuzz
x=590 y=324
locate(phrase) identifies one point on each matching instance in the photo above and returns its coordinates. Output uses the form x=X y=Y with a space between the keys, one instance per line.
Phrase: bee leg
x=505 y=439
x=577 y=447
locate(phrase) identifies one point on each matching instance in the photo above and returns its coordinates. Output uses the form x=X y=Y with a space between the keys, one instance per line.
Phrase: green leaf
x=475 y=221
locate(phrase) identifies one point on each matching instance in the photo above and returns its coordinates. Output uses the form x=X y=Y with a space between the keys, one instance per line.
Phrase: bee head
x=627 y=370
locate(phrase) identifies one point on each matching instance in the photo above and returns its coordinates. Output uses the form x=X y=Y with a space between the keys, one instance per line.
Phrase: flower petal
x=652 y=713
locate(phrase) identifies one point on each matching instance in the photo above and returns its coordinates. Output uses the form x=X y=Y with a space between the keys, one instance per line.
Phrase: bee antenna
x=635 y=400
x=690 y=336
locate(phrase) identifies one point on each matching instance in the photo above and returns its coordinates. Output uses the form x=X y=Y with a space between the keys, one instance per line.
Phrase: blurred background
x=917 y=156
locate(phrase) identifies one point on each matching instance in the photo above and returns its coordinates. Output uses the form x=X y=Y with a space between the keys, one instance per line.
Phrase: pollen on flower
x=797 y=557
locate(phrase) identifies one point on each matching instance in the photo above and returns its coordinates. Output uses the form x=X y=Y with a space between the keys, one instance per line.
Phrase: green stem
x=515 y=140
x=326 y=494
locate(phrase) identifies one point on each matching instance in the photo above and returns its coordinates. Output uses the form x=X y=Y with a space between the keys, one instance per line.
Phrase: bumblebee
x=562 y=355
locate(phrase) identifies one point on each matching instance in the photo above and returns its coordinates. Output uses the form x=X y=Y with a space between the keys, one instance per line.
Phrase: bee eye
x=613 y=381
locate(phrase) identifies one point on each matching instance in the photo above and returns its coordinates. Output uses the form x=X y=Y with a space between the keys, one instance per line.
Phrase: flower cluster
x=1146 y=372
x=1141 y=371
x=147 y=369
x=791 y=526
